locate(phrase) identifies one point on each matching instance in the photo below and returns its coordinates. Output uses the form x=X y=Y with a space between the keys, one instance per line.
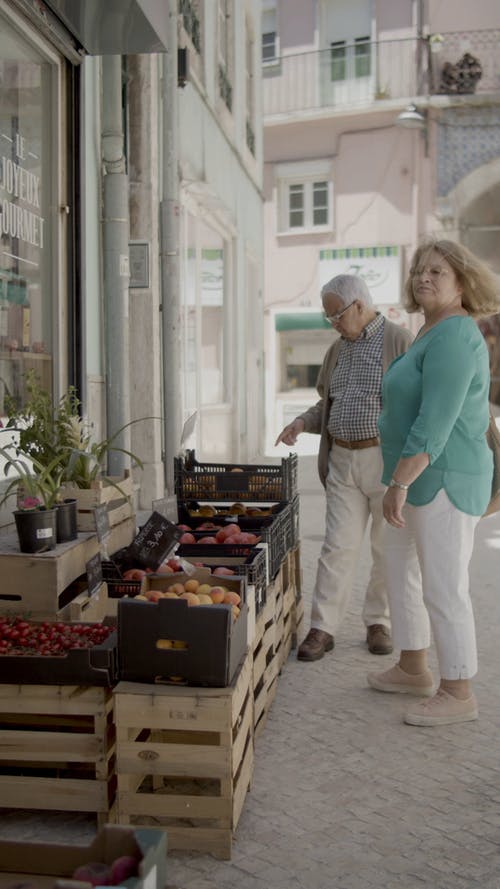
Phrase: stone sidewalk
x=345 y=795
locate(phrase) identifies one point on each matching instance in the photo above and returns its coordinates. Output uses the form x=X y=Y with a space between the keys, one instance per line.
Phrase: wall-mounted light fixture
x=413 y=119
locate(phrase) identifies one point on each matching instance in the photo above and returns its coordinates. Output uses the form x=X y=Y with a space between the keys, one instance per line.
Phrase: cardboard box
x=214 y=642
x=51 y=865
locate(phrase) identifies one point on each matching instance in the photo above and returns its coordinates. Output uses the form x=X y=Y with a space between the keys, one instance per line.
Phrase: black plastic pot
x=66 y=522
x=36 y=530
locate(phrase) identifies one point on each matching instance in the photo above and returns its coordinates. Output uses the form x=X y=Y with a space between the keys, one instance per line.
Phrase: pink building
x=381 y=125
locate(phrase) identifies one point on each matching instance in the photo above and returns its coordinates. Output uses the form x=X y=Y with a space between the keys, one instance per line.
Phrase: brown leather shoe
x=314 y=645
x=379 y=639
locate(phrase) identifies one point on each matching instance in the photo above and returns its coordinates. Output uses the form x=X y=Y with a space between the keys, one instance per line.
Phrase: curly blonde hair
x=480 y=287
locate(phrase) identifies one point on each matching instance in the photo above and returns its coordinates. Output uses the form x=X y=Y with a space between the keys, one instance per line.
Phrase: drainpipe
x=115 y=260
x=169 y=256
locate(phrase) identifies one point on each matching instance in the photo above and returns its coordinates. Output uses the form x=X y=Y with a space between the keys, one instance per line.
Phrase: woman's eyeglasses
x=332 y=319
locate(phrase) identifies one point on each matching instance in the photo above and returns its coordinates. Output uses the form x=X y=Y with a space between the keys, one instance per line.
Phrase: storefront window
x=203 y=313
x=27 y=211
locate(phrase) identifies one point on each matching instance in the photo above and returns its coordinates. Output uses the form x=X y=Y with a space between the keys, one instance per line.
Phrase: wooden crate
x=297 y=622
x=284 y=645
x=185 y=759
x=36 y=583
x=265 y=662
x=57 y=749
x=117 y=494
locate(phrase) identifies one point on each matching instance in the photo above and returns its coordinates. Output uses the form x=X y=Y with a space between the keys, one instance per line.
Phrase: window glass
x=269 y=35
x=27 y=200
x=338 y=60
x=212 y=315
x=296 y=205
x=320 y=203
x=362 y=57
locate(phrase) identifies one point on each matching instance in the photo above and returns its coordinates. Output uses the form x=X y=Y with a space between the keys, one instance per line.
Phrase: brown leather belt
x=356 y=445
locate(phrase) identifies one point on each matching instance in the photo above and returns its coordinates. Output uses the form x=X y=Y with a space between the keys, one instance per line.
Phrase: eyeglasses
x=332 y=319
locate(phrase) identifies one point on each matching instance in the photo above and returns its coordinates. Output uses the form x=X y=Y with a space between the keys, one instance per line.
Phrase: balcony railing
x=354 y=75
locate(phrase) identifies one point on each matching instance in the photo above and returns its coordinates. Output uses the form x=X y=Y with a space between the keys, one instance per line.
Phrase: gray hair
x=348 y=288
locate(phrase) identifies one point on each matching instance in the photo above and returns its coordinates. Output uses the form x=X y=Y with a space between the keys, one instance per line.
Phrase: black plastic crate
x=221 y=518
x=235 y=482
x=273 y=530
x=249 y=561
x=293 y=530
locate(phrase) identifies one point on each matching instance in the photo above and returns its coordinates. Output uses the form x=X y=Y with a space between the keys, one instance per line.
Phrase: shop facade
x=130 y=220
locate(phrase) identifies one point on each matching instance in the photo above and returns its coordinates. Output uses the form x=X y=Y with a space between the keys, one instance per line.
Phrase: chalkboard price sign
x=155 y=541
x=94 y=574
x=101 y=522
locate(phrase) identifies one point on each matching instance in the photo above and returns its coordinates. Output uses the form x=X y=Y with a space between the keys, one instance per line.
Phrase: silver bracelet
x=394 y=484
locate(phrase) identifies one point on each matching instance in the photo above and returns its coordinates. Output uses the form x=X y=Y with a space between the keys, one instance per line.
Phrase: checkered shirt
x=355 y=385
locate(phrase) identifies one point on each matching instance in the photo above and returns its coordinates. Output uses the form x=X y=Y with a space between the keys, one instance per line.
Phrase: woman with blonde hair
x=438 y=469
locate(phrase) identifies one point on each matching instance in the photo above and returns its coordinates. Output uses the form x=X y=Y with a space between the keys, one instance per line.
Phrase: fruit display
x=98 y=873
x=208 y=510
x=192 y=628
x=195 y=593
x=230 y=533
x=235 y=482
x=48 y=639
x=57 y=652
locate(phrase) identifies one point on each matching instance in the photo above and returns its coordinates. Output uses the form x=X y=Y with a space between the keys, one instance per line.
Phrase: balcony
x=356 y=75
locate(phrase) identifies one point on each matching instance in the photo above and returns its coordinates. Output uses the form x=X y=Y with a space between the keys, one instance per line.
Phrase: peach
x=232 y=598
x=204 y=588
x=144 y=599
x=122 y=868
x=177 y=588
x=191 y=598
x=235 y=611
x=191 y=586
x=187 y=537
x=170 y=595
x=217 y=594
x=154 y=595
x=205 y=600
x=134 y=574
x=222 y=570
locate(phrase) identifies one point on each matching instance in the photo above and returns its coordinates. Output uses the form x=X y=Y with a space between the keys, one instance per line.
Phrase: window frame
x=306 y=176
x=270 y=8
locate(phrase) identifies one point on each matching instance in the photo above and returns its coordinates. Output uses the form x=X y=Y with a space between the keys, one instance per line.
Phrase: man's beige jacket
x=396 y=341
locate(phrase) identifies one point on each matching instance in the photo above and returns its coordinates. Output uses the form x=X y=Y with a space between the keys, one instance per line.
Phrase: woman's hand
x=393 y=502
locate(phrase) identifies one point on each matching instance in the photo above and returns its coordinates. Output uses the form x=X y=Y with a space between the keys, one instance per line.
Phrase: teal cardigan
x=435 y=401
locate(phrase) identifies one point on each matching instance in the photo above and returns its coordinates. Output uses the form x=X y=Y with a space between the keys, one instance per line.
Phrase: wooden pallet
x=57 y=749
x=297 y=621
x=185 y=759
x=36 y=584
x=117 y=495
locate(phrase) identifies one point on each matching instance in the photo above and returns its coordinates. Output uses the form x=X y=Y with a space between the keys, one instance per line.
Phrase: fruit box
x=211 y=644
x=81 y=666
x=236 y=482
x=51 y=865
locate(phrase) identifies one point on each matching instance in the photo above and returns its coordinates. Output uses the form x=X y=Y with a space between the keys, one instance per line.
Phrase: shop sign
x=380 y=268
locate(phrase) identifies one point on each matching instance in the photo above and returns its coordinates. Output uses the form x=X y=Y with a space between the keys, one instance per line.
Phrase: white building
x=381 y=125
x=131 y=257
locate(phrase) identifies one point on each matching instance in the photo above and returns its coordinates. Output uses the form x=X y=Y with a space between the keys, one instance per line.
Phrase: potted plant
x=38 y=487
x=55 y=431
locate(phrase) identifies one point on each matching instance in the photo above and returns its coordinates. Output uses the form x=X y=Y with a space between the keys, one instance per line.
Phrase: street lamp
x=413 y=119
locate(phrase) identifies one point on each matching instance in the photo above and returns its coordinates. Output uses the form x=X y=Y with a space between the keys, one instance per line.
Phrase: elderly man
x=349 y=461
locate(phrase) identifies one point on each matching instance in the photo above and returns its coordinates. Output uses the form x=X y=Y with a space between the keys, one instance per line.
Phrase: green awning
x=301 y=321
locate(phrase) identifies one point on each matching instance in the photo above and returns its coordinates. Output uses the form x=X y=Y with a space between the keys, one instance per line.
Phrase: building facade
x=381 y=125
x=131 y=221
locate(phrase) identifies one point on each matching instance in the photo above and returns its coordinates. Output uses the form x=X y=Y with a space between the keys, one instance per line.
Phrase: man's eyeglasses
x=332 y=319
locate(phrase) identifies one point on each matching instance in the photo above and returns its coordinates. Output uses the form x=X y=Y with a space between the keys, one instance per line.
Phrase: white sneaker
x=442 y=709
x=396 y=680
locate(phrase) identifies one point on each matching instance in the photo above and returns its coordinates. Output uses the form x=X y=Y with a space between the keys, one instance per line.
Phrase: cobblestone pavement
x=344 y=794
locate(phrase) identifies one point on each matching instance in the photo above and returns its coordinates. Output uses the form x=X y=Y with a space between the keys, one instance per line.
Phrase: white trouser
x=427 y=569
x=353 y=493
